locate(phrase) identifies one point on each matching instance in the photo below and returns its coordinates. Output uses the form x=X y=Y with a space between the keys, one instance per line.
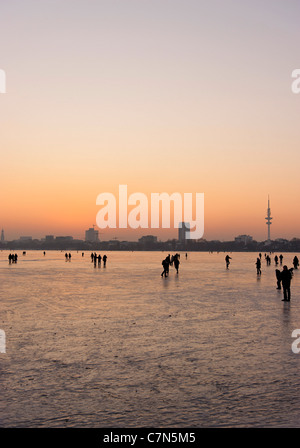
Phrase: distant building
x=113 y=244
x=49 y=238
x=185 y=227
x=246 y=239
x=25 y=238
x=91 y=235
x=2 y=236
x=148 y=239
x=63 y=239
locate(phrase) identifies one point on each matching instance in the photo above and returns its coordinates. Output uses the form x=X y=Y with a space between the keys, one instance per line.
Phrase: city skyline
x=92 y=233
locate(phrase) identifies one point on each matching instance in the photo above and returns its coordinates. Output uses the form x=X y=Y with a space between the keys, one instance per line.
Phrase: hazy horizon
x=162 y=235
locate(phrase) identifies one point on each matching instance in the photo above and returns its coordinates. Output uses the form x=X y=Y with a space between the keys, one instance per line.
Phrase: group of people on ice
x=169 y=261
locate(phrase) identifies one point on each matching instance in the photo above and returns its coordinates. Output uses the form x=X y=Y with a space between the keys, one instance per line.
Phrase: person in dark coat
x=165 y=264
x=227 y=258
x=258 y=266
x=176 y=262
x=296 y=262
x=286 y=277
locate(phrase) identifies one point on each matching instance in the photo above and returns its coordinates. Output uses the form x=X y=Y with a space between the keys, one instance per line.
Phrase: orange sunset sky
x=161 y=95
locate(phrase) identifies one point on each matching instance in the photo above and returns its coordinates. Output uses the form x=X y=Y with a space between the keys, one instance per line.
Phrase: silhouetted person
x=168 y=260
x=82 y=254
x=13 y=258
x=66 y=256
x=276 y=260
x=260 y=256
x=258 y=266
x=268 y=259
x=165 y=264
x=280 y=258
x=99 y=259
x=286 y=277
x=176 y=262
x=296 y=262
x=278 y=277
x=185 y=255
x=104 y=260
x=70 y=257
x=227 y=258
x=92 y=256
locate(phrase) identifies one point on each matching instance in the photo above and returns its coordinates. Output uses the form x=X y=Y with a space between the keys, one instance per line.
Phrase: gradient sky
x=161 y=95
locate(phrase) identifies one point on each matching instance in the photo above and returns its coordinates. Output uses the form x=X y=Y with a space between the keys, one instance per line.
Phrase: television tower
x=268 y=219
x=2 y=236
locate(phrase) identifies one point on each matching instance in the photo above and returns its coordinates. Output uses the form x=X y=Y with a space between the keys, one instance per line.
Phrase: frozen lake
x=122 y=347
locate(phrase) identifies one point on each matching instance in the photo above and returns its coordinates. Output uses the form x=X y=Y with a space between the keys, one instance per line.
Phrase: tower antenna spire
x=269 y=219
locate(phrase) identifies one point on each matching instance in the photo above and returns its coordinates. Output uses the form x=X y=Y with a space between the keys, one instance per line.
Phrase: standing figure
x=168 y=260
x=280 y=258
x=286 y=277
x=276 y=260
x=165 y=264
x=104 y=260
x=227 y=258
x=296 y=262
x=258 y=266
x=176 y=262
